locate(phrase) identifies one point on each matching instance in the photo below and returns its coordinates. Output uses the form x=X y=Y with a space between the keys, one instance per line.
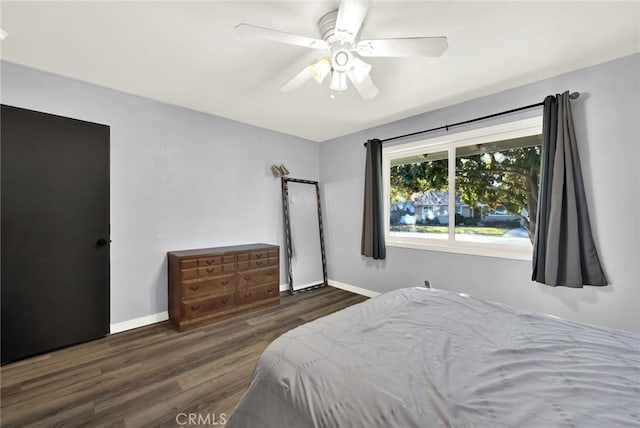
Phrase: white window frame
x=449 y=143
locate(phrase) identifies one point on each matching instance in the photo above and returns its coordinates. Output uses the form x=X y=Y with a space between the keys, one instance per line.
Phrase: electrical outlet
x=427 y=284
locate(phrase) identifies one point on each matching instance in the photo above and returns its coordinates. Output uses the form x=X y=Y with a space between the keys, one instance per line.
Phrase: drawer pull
x=210 y=262
x=269 y=273
x=224 y=300
x=195 y=307
x=194 y=288
x=224 y=282
x=247 y=278
x=259 y=262
x=270 y=290
x=258 y=256
x=247 y=294
x=211 y=270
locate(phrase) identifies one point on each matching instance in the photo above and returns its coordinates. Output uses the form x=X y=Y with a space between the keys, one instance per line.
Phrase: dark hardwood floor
x=147 y=376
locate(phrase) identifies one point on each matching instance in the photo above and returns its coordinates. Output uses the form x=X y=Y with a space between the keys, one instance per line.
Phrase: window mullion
x=452 y=193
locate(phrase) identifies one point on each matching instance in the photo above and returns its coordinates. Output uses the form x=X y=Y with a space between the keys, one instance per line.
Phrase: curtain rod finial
x=574 y=95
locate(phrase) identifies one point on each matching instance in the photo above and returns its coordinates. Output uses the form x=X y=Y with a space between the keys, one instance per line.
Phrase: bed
x=418 y=357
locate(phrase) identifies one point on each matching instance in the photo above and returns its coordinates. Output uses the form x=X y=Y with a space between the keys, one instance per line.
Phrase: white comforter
x=427 y=358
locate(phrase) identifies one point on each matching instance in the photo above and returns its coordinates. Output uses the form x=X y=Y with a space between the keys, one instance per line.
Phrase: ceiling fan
x=339 y=30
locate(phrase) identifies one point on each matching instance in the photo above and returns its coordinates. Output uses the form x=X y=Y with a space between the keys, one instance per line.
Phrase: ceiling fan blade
x=297 y=81
x=316 y=71
x=410 y=46
x=350 y=17
x=359 y=76
x=365 y=87
x=281 y=36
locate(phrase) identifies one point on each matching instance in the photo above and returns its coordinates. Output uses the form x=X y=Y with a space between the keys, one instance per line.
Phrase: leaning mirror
x=304 y=236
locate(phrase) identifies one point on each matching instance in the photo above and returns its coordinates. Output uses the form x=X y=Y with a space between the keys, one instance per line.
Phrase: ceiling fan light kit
x=320 y=69
x=338 y=82
x=339 y=30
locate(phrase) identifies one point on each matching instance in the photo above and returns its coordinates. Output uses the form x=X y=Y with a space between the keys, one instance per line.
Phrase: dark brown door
x=55 y=232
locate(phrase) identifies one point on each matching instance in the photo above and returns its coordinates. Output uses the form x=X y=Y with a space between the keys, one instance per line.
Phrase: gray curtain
x=564 y=252
x=373 y=215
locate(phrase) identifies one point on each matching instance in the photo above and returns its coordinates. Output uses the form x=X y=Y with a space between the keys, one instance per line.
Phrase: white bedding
x=417 y=357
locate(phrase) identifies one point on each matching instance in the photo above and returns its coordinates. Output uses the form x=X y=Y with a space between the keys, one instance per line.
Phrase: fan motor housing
x=327 y=27
x=341 y=58
x=341 y=55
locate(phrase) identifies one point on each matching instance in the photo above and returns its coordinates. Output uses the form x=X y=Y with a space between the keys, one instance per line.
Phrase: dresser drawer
x=257 y=277
x=257 y=264
x=188 y=264
x=214 y=270
x=254 y=255
x=215 y=260
x=250 y=295
x=204 y=306
x=189 y=273
x=258 y=255
x=210 y=261
x=202 y=287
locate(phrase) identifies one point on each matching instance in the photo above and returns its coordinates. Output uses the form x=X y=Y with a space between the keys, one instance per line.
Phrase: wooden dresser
x=211 y=284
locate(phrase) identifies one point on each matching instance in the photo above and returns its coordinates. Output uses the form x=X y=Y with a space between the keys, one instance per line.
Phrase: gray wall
x=182 y=179
x=179 y=179
x=606 y=117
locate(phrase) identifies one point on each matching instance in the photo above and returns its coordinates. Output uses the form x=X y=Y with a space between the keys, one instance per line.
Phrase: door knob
x=102 y=242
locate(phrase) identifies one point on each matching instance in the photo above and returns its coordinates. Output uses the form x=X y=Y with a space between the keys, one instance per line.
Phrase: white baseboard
x=163 y=316
x=152 y=319
x=353 y=288
x=138 y=322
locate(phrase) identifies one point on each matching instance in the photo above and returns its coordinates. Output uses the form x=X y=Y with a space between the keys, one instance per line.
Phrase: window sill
x=484 y=250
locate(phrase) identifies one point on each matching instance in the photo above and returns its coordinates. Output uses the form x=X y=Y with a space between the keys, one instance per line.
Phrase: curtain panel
x=564 y=252
x=373 y=244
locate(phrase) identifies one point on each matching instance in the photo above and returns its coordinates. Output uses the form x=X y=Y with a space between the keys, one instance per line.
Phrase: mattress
x=418 y=357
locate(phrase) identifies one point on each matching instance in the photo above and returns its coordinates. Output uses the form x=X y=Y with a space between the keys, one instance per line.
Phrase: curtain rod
x=573 y=96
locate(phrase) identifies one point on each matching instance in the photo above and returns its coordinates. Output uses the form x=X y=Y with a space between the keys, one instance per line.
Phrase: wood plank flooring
x=145 y=377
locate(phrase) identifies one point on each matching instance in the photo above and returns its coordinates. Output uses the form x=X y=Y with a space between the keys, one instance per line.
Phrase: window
x=473 y=192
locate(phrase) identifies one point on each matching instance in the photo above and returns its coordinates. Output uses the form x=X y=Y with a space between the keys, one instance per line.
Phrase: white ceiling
x=188 y=54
